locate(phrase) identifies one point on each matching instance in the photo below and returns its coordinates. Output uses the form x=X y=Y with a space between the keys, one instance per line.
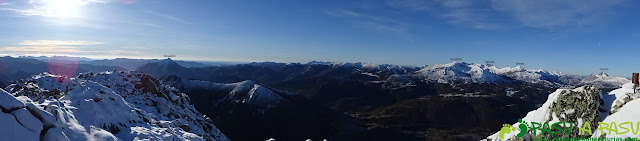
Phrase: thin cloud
x=168 y=17
x=458 y=12
x=44 y=8
x=66 y=50
x=43 y=50
x=557 y=14
x=483 y=14
x=57 y=43
x=377 y=23
x=138 y=23
x=62 y=47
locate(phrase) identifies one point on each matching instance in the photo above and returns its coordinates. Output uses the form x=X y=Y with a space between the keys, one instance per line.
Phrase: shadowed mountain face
x=249 y=111
x=387 y=101
x=168 y=66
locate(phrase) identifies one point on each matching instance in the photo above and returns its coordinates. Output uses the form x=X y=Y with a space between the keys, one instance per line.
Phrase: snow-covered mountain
x=531 y=76
x=603 y=80
x=246 y=92
x=478 y=73
x=101 y=106
x=580 y=105
x=457 y=72
x=454 y=72
x=248 y=107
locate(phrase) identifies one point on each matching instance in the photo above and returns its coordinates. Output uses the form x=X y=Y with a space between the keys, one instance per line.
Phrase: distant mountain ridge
x=129 y=64
x=602 y=80
x=456 y=72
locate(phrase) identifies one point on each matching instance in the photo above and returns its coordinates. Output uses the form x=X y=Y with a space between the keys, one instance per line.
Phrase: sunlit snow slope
x=100 y=106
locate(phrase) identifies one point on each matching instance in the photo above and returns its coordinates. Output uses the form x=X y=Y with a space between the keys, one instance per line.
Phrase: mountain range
x=285 y=101
x=377 y=96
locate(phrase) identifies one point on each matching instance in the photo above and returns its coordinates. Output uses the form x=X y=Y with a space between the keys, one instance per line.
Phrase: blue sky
x=572 y=36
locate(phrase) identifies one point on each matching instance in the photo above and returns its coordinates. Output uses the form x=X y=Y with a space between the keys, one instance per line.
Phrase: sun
x=64 y=8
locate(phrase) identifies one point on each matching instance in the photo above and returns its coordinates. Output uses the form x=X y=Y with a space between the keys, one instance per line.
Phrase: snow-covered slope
x=455 y=72
x=108 y=106
x=624 y=108
x=603 y=80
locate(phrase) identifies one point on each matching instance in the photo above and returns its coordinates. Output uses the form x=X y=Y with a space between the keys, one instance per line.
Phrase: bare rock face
x=621 y=102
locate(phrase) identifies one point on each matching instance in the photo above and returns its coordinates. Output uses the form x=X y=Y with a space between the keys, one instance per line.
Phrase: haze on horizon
x=574 y=36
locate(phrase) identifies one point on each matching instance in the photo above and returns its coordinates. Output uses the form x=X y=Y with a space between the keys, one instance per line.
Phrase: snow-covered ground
x=100 y=106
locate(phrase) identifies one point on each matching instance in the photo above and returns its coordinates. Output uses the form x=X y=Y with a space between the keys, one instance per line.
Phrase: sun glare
x=65 y=8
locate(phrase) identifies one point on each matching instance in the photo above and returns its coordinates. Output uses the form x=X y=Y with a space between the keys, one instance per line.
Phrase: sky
x=570 y=36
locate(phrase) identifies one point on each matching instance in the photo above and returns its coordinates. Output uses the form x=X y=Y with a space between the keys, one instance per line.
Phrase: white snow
x=101 y=106
x=8 y=102
x=371 y=74
x=27 y=120
x=628 y=113
x=13 y=130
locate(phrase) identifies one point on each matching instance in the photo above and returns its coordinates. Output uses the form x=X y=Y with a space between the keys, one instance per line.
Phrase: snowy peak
x=254 y=94
x=458 y=71
x=478 y=73
x=602 y=80
x=602 y=74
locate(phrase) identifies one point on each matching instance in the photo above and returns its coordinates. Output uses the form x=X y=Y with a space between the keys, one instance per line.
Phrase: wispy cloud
x=57 y=43
x=49 y=8
x=61 y=47
x=137 y=23
x=557 y=14
x=483 y=14
x=168 y=17
x=42 y=50
x=457 y=12
x=378 y=23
